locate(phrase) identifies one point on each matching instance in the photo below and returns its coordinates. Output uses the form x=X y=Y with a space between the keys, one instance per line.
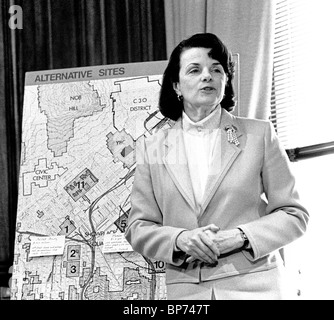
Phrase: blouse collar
x=210 y=122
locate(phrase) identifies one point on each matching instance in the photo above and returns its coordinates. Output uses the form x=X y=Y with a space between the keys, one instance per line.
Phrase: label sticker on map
x=47 y=246
x=115 y=242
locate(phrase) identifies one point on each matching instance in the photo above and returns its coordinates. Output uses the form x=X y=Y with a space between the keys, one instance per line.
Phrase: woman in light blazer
x=213 y=195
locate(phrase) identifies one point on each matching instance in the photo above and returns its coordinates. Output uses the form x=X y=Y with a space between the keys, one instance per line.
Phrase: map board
x=79 y=132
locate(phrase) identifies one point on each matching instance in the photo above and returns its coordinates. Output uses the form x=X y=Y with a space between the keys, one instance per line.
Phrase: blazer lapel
x=175 y=160
x=224 y=155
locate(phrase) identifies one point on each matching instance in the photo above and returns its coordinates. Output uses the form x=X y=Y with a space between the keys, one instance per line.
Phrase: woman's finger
x=209 y=243
x=211 y=227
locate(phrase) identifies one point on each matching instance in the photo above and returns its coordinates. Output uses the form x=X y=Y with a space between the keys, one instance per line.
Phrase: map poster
x=79 y=131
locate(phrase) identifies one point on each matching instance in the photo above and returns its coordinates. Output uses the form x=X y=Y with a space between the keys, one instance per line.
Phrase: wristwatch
x=246 y=244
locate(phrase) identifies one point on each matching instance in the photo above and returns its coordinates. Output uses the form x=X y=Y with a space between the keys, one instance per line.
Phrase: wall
x=312 y=254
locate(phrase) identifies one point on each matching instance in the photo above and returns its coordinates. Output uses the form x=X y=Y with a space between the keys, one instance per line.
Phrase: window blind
x=302 y=109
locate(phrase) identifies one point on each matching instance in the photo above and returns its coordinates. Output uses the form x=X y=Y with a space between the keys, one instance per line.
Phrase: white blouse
x=200 y=139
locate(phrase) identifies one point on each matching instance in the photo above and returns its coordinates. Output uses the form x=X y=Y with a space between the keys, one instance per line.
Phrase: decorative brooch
x=232 y=134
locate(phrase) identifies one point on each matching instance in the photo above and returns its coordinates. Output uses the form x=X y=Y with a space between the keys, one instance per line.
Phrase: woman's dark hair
x=169 y=104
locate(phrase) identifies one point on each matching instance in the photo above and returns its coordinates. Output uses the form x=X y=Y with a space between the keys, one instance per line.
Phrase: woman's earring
x=179 y=97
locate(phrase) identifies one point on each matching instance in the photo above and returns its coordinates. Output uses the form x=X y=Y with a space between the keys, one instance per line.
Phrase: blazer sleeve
x=145 y=230
x=285 y=218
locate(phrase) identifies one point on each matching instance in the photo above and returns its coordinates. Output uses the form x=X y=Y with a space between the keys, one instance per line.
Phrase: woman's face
x=201 y=79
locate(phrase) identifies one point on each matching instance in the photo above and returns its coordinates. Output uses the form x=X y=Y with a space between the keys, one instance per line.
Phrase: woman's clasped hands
x=199 y=244
x=207 y=243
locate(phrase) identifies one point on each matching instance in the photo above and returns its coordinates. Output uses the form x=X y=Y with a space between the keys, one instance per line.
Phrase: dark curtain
x=62 y=34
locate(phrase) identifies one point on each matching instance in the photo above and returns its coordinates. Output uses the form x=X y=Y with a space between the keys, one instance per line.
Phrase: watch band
x=246 y=241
